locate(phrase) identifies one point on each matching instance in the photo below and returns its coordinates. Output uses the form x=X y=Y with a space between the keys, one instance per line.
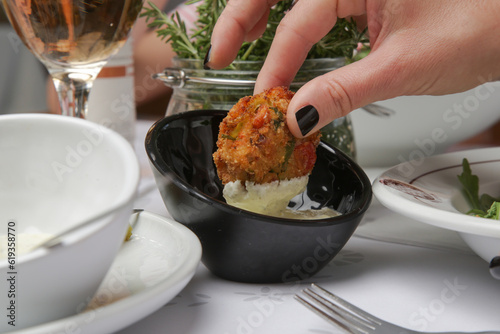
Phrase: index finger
x=299 y=30
x=241 y=20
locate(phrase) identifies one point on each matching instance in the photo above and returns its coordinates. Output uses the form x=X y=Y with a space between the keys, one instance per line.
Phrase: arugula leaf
x=476 y=212
x=493 y=211
x=487 y=200
x=485 y=206
x=470 y=185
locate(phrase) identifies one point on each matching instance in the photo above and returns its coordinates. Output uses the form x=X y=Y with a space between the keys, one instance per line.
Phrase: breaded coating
x=255 y=144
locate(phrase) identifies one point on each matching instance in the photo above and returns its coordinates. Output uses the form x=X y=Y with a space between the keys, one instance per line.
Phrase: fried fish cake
x=255 y=144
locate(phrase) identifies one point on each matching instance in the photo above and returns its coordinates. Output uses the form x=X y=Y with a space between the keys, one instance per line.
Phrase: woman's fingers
x=350 y=8
x=241 y=20
x=307 y=23
x=414 y=52
x=258 y=28
x=418 y=47
x=304 y=25
x=323 y=99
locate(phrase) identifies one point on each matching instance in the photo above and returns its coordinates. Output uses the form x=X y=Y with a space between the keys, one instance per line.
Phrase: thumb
x=337 y=93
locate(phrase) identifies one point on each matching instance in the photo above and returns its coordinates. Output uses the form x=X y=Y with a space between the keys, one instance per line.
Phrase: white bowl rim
x=416 y=209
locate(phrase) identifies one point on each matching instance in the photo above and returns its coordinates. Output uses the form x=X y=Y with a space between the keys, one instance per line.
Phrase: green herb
x=279 y=121
x=171 y=29
x=290 y=147
x=341 y=41
x=470 y=185
x=227 y=137
x=494 y=211
x=485 y=206
x=276 y=111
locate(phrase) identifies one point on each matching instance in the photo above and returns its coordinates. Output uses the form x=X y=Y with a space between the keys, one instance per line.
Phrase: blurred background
x=19 y=71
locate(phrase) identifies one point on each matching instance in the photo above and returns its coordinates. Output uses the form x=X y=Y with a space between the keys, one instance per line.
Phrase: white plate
x=428 y=190
x=150 y=269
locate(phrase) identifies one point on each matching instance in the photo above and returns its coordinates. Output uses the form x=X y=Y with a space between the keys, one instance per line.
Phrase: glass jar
x=196 y=88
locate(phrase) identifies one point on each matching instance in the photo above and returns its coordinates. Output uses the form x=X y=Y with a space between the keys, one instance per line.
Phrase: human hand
x=424 y=47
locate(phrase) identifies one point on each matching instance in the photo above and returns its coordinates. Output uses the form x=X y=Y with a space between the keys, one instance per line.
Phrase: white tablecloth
x=440 y=287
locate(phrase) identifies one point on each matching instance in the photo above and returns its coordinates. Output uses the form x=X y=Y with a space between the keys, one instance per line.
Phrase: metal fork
x=350 y=318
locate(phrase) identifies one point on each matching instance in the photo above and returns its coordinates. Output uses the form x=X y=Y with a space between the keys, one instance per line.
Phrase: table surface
x=437 y=286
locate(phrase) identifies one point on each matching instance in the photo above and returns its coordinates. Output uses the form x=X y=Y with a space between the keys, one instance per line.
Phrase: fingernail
x=307 y=118
x=207 y=58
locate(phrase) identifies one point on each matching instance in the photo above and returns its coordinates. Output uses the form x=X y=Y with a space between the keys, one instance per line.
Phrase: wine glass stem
x=73 y=94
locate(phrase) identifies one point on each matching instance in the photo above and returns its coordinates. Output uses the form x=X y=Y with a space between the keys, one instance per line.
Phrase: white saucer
x=150 y=269
x=429 y=191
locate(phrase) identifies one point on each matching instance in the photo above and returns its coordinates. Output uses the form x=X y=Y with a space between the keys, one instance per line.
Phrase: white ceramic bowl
x=429 y=191
x=423 y=125
x=55 y=172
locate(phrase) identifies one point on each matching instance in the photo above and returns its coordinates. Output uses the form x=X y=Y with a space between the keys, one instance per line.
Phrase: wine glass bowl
x=73 y=39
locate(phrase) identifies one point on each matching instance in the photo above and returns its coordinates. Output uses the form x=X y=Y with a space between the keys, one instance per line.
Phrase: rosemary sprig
x=341 y=41
x=171 y=29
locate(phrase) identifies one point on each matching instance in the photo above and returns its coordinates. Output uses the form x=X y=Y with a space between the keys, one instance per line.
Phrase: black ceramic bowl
x=240 y=245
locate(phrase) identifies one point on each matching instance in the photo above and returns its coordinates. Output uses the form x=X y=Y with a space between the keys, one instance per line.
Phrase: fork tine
x=327 y=316
x=338 y=311
x=348 y=306
x=361 y=323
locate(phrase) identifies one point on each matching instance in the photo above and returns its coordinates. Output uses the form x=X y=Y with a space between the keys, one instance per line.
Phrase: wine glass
x=73 y=39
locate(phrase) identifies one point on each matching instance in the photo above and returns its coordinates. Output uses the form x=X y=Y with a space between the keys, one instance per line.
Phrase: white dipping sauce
x=272 y=198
